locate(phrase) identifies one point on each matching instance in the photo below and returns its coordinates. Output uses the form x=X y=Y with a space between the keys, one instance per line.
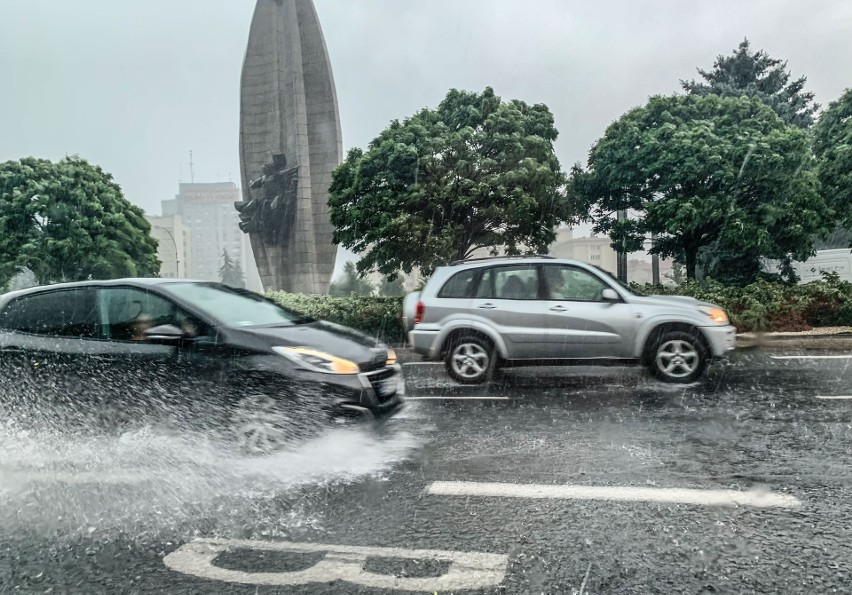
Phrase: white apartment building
x=207 y=209
x=174 y=248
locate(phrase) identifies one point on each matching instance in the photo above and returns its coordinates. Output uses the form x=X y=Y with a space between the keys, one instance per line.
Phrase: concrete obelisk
x=290 y=142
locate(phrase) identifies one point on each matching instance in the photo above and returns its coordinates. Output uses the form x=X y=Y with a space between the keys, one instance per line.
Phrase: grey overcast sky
x=134 y=85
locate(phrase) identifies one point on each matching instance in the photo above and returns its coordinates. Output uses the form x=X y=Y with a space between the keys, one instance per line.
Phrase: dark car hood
x=331 y=338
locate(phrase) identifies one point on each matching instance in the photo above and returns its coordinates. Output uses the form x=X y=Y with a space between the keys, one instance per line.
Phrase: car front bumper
x=377 y=393
x=722 y=339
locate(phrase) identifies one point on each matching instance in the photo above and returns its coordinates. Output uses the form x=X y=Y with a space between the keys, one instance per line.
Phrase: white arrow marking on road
x=457 y=398
x=468 y=570
x=811 y=356
x=754 y=498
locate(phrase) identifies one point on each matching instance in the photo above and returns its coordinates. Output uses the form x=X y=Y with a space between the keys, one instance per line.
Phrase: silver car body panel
x=556 y=329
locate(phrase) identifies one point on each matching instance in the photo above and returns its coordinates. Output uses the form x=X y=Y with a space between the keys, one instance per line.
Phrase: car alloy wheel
x=259 y=425
x=679 y=357
x=470 y=360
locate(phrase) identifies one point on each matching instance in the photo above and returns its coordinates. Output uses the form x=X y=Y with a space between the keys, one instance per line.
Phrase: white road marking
x=423 y=364
x=834 y=397
x=811 y=356
x=759 y=499
x=457 y=399
x=467 y=570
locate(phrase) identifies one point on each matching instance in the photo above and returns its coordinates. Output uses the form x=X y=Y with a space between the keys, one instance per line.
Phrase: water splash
x=153 y=479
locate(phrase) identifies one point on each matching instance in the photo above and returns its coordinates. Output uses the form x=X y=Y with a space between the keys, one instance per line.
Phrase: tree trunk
x=691 y=258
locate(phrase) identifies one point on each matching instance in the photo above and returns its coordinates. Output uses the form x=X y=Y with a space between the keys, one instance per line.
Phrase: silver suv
x=479 y=314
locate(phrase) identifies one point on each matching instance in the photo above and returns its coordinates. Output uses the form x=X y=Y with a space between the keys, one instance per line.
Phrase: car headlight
x=391 y=357
x=318 y=361
x=717 y=315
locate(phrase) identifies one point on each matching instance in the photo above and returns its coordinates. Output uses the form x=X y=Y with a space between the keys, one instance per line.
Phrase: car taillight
x=418 y=312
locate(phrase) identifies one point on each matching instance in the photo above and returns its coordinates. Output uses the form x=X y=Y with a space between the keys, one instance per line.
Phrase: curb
x=841 y=342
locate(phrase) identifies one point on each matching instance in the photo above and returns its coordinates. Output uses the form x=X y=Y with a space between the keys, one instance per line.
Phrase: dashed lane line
x=754 y=498
x=834 y=397
x=439 y=398
x=811 y=356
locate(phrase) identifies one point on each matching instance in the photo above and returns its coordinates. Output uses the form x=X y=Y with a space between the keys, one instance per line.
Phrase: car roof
x=135 y=281
x=503 y=260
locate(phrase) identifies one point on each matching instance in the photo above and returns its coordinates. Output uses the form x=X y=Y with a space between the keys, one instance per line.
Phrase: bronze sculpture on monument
x=290 y=142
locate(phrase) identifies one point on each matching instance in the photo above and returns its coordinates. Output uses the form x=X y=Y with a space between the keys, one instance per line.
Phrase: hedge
x=772 y=306
x=376 y=316
x=761 y=306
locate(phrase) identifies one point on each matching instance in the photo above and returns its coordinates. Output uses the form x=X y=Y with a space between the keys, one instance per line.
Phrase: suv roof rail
x=481 y=258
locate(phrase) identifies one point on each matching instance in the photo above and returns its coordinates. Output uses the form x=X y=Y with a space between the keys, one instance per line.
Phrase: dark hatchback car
x=133 y=348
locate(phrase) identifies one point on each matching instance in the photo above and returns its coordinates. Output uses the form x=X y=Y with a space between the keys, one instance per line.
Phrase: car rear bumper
x=722 y=339
x=424 y=343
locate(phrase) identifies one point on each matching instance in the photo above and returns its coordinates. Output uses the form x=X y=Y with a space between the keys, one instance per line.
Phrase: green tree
x=757 y=75
x=392 y=286
x=68 y=221
x=833 y=148
x=477 y=172
x=351 y=284
x=230 y=272
x=696 y=170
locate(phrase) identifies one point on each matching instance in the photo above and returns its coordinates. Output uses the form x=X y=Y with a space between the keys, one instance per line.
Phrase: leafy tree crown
x=476 y=172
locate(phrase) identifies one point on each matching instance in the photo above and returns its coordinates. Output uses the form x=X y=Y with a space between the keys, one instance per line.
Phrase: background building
x=594 y=250
x=174 y=245
x=207 y=210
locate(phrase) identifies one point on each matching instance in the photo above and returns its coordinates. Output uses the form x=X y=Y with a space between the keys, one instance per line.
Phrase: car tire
x=471 y=359
x=260 y=424
x=677 y=357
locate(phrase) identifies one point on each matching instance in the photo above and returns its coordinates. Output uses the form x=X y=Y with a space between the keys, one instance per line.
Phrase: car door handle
x=559 y=308
x=487 y=306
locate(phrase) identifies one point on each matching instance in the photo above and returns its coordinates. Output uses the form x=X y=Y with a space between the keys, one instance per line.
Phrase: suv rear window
x=459 y=285
x=62 y=313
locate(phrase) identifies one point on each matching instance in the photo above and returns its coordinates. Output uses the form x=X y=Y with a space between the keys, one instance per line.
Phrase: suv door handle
x=559 y=308
x=487 y=306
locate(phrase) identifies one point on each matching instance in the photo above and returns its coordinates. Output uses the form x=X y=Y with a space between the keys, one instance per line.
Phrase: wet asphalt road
x=82 y=517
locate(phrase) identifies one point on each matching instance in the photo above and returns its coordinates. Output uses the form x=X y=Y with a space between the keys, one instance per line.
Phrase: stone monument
x=290 y=142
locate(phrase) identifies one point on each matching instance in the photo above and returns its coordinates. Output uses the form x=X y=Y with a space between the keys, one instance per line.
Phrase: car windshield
x=234 y=307
x=612 y=277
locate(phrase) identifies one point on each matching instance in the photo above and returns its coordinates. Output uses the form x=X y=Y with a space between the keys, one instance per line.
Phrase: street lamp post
x=177 y=261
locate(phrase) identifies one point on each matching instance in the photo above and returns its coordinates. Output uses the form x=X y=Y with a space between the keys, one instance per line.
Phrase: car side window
x=127 y=312
x=459 y=285
x=509 y=283
x=573 y=284
x=60 y=313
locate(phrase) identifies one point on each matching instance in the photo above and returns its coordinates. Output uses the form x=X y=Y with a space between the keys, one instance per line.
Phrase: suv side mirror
x=165 y=333
x=610 y=295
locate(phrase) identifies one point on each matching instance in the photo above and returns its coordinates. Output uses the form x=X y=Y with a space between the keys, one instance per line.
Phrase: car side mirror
x=165 y=333
x=610 y=295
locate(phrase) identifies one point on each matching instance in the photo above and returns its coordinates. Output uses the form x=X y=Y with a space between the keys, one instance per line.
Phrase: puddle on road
x=153 y=479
